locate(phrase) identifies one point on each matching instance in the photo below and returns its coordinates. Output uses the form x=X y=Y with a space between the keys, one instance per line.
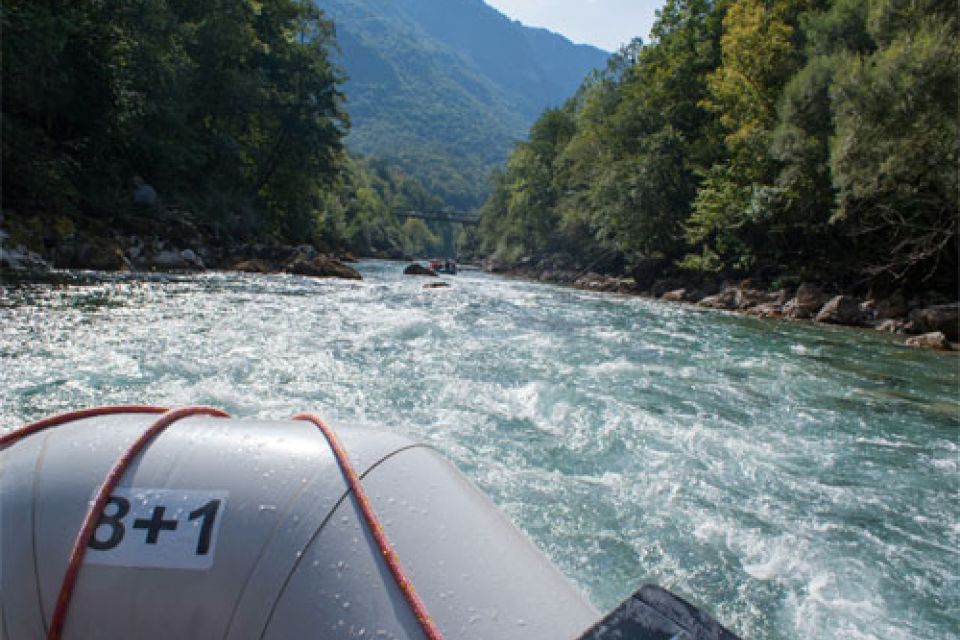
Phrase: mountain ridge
x=444 y=88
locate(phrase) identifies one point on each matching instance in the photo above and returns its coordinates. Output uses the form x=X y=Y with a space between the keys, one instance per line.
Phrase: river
x=799 y=481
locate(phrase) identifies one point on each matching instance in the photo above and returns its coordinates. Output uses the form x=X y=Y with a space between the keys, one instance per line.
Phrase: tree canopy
x=230 y=112
x=808 y=138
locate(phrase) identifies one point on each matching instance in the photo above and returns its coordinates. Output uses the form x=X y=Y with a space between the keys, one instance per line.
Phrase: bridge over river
x=467 y=218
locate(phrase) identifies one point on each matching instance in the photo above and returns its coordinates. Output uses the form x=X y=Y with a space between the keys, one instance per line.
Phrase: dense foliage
x=226 y=114
x=228 y=109
x=443 y=88
x=362 y=215
x=773 y=138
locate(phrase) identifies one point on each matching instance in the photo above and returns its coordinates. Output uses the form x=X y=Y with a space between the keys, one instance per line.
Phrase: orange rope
x=376 y=529
x=54 y=421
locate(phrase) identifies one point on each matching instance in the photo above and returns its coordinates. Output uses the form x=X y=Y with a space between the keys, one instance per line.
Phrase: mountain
x=443 y=88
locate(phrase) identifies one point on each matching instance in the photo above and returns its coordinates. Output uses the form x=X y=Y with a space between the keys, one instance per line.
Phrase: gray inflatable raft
x=245 y=529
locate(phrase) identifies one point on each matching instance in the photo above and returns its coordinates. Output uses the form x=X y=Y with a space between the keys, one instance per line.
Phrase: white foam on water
x=633 y=441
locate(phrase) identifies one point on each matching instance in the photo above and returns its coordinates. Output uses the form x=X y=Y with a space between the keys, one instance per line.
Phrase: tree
x=895 y=154
x=732 y=216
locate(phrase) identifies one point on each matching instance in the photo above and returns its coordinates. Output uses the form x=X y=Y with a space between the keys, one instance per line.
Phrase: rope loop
x=376 y=529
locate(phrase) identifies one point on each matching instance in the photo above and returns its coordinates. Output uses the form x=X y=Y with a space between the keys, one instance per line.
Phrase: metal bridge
x=460 y=217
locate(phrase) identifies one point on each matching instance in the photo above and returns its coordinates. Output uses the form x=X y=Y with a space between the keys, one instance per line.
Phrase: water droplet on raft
x=268 y=507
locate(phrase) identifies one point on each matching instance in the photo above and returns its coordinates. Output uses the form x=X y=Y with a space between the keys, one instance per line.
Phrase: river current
x=798 y=481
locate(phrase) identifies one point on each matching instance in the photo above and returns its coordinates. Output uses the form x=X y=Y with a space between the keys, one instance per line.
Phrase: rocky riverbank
x=182 y=248
x=925 y=319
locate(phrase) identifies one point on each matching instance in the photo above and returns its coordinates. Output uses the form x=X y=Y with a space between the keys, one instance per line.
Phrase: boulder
x=894 y=306
x=767 y=310
x=436 y=285
x=254 y=266
x=808 y=301
x=749 y=297
x=609 y=284
x=419 y=270
x=726 y=299
x=944 y=318
x=841 y=310
x=320 y=267
x=677 y=295
x=891 y=325
x=934 y=340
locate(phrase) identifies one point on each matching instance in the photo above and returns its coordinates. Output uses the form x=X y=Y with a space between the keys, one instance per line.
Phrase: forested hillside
x=194 y=123
x=443 y=88
x=781 y=139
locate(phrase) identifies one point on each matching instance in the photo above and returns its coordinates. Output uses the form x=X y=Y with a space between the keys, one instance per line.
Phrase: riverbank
x=164 y=241
x=924 y=319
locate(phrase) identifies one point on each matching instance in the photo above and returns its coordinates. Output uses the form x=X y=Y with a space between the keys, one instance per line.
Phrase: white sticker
x=160 y=528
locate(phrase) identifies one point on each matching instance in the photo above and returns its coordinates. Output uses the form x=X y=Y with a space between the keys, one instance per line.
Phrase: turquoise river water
x=797 y=481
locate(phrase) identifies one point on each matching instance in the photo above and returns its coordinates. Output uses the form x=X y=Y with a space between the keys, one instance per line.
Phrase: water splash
x=799 y=481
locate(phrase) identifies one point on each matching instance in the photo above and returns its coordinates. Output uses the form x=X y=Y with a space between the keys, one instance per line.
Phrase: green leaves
x=783 y=137
x=221 y=106
x=894 y=157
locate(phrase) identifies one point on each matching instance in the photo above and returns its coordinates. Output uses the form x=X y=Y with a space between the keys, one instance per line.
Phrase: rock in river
x=726 y=299
x=934 y=340
x=806 y=304
x=942 y=317
x=419 y=270
x=320 y=267
x=841 y=310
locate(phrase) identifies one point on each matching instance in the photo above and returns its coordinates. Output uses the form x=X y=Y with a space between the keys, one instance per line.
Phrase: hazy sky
x=604 y=23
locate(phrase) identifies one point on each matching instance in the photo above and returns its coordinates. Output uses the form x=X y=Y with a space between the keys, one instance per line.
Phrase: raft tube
x=247 y=530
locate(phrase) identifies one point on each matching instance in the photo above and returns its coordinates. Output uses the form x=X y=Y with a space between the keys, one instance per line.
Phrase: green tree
x=732 y=218
x=895 y=153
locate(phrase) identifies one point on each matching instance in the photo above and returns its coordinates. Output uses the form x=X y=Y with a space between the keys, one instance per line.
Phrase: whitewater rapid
x=798 y=481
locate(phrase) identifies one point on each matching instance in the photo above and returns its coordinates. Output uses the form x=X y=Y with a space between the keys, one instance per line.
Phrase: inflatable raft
x=118 y=523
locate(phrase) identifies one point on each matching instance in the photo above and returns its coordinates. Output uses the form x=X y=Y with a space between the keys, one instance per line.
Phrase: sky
x=603 y=23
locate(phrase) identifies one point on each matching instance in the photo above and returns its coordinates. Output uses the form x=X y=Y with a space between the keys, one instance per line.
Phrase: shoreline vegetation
x=784 y=158
x=165 y=133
